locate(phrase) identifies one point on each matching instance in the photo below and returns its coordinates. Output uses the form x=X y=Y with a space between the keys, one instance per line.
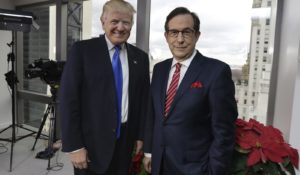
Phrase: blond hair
x=117 y=5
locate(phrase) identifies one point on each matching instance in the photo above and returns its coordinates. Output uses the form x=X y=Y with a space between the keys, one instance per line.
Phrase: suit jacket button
x=114 y=130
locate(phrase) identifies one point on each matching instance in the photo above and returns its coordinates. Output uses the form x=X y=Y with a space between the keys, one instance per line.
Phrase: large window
x=36 y=46
x=240 y=33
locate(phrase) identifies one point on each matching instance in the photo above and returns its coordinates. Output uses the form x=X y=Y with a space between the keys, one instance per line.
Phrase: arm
x=145 y=95
x=70 y=102
x=149 y=131
x=224 y=113
x=70 y=109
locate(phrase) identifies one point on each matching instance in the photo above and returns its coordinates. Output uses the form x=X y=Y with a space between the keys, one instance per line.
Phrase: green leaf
x=242 y=172
x=239 y=162
x=240 y=150
x=290 y=168
x=268 y=168
x=286 y=161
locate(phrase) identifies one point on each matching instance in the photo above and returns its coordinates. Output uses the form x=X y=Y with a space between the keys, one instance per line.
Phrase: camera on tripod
x=47 y=70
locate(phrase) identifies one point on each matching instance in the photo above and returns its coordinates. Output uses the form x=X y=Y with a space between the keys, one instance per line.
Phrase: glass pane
x=36 y=45
x=74 y=23
x=33 y=112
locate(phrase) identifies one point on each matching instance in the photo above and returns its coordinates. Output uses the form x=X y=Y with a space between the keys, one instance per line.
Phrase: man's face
x=117 y=26
x=181 y=36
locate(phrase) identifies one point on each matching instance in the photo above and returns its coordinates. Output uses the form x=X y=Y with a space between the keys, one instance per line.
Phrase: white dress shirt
x=184 y=66
x=125 y=73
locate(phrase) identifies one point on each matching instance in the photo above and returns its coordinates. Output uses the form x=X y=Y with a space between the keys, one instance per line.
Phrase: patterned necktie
x=117 y=68
x=172 y=89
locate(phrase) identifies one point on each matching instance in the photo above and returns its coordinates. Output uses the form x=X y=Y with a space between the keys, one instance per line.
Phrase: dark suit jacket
x=88 y=102
x=198 y=134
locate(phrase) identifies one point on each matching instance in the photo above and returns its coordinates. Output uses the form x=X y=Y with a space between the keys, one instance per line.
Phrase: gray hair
x=117 y=5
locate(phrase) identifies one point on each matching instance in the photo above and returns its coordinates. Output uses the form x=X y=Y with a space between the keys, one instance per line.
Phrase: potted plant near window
x=261 y=150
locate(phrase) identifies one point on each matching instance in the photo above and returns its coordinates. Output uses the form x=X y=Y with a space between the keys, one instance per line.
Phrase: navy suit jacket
x=88 y=100
x=198 y=135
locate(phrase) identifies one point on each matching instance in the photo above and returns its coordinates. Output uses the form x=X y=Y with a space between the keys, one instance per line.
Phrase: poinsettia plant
x=261 y=150
x=136 y=167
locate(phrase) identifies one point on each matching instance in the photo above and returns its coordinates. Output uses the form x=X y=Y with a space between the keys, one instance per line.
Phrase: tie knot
x=117 y=47
x=178 y=66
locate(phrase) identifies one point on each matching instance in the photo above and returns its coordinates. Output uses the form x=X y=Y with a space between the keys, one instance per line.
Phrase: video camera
x=48 y=70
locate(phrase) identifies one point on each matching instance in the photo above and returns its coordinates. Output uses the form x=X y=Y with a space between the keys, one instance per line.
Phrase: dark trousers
x=164 y=168
x=167 y=168
x=120 y=160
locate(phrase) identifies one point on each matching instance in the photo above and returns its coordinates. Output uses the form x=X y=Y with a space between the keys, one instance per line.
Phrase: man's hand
x=79 y=158
x=147 y=164
x=139 y=146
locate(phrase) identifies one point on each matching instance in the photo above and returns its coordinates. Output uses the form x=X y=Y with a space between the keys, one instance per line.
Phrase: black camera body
x=48 y=70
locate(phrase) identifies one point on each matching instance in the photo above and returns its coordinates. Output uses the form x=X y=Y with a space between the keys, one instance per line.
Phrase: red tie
x=172 y=89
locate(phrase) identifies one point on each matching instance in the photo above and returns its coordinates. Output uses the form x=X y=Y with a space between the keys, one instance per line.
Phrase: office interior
x=283 y=110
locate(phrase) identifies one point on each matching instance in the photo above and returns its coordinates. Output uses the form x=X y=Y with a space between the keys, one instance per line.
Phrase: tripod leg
x=42 y=125
x=13 y=140
x=51 y=134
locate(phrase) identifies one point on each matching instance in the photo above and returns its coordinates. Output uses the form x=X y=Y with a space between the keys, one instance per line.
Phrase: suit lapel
x=164 y=73
x=132 y=62
x=190 y=76
x=103 y=57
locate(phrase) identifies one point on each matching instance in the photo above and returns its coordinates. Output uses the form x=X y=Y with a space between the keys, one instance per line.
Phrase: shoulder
x=163 y=64
x=87 y=42
x=136 y=50
x=212 y=62
x=93 y=45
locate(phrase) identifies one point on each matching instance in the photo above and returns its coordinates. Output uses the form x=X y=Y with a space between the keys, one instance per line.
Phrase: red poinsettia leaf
x=253 y=157
x=274 y=134
x=138 y=157
x=240 y=123
x=294 y=157
x=263 y=157
x=136 y=161
x=244 y=145
x=256 y=125
x=247 y=140
x=273 y=155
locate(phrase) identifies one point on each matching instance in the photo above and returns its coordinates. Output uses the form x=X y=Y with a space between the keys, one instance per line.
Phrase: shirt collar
x=186 y=62
x=111 y=45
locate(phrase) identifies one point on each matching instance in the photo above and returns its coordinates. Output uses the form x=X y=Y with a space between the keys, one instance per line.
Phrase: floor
x=24 y=161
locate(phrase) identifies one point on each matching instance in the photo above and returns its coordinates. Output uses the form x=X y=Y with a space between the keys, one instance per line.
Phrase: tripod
x=51 y=113
x=12 y=80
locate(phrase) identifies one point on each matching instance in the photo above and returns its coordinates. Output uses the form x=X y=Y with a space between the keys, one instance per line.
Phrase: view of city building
x=252 y=88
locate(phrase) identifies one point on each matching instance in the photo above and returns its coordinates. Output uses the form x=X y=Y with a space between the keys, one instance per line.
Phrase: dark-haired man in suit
x=191 y=131
x=103 y=91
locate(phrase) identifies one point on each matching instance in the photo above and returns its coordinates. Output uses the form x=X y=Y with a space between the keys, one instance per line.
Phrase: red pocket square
x=196 y=84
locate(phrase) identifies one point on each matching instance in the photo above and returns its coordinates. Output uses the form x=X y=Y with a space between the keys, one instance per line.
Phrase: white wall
x=5 y=98
x=295 y=121
x=287 y=103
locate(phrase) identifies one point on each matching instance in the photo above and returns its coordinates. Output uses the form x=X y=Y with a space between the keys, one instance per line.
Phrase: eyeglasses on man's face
x=186 y=33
